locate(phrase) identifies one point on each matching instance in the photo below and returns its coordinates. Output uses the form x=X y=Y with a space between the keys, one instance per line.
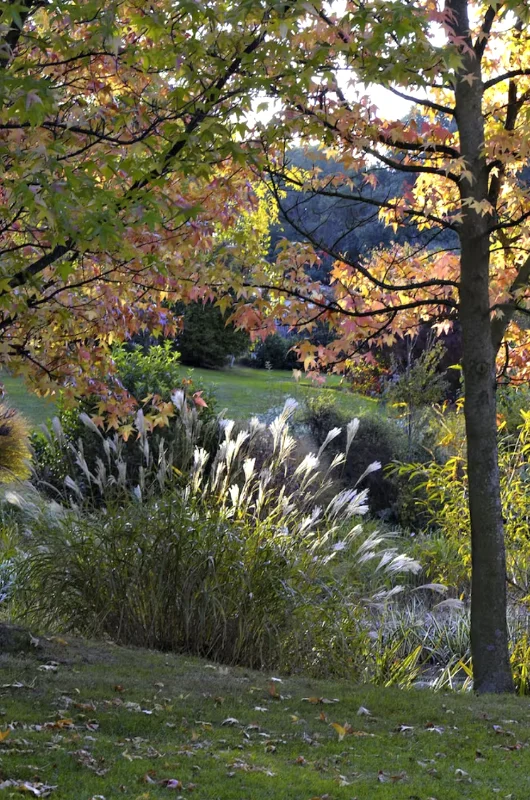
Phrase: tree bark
x=489 y=634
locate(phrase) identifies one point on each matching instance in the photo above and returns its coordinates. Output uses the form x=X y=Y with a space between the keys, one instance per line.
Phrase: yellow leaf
x=340 y=730
x=58 y=640
x=4 y=734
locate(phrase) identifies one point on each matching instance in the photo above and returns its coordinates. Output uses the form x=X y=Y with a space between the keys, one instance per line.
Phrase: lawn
x=36 y=409
x=99 y=721
x=245 y=392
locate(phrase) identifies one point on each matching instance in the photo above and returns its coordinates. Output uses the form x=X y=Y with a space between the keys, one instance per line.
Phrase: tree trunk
x=489 y=635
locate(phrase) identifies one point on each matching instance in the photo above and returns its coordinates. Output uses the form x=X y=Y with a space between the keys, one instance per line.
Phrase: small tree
x=419 y=386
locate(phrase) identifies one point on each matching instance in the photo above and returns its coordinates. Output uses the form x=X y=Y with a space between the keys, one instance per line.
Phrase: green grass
x=36 y=409
x=142 y=718
x=245 y=392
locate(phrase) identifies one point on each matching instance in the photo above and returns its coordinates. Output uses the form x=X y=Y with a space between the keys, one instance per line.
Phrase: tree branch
x=422 y=102
x=10 y=40
x=500 y=323
x=482 y=38
x=513 y=73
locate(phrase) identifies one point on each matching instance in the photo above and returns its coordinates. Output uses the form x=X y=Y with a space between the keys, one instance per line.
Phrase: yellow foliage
x=15 y=451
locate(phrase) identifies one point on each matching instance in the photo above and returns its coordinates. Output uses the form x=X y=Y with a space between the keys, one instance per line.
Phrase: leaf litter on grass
x=72 y=735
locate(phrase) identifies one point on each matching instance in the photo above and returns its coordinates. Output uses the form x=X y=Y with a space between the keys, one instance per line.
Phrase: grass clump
x=15 y=451
x=236 y=560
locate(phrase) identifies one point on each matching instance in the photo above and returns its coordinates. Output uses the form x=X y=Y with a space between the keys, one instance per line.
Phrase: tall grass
x=100 y=468
x=14 y=445
x=234 y=560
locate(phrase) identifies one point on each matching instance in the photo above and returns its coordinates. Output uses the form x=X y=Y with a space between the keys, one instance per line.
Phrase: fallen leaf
x=430 y=726
x=171 y=783
x=26 y=787
x=315 y=701
x=461 y=773
x=363 y=712
x=60 y=723
x=341 y=730
x=500 y=730
x=384 y=777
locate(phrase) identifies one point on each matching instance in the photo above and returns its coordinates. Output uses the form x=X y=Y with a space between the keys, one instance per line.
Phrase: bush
x=443 y=498
x=206 y=340
x=416 y=390
x=114 y=469
x=275 y=353
x=222 y=564
x=154 y=370
x=377 y=439
x=71 y=445
x=511 y=402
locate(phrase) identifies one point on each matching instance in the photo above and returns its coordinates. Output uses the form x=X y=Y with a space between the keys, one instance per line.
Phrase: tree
x=466 y=162
x=124 y=176
x=206 y=340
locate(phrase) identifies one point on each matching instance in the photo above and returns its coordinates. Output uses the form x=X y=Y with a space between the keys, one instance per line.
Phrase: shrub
x=154 y=370
x=378 y=437
x=114 y=470
x=71 y=445
x=415 y=391
x=206 y=340
x=442 y=488
x=320 y=413
x=511 y=402
x=223 y=564
x=276 y=352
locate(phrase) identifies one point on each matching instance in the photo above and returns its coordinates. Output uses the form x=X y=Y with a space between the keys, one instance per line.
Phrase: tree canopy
x=124 y=172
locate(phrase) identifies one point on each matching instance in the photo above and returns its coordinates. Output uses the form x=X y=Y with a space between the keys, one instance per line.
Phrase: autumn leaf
x=199 y=400
x=363 y=712
x=340 y=729
x=384 y=777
